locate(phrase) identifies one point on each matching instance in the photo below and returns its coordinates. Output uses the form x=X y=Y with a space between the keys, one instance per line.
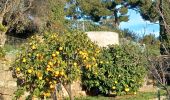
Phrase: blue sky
x=139 y=26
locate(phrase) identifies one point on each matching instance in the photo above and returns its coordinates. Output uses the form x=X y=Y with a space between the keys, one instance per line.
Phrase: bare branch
x=159 y=7
x=158 y=69
x=29 y=6
x=5 y=7
x=8 y=5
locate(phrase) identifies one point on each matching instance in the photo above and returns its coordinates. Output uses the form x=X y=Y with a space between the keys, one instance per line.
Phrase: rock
x=2 y=65
x=6 y=97
x=2 y=74
x=11 y=84
x=7 y=91
x=2 y=83
x=62 y=93
x=8 y=84
x=76 y=90
x=2 y=38
x=6 y=67
x=9 y=75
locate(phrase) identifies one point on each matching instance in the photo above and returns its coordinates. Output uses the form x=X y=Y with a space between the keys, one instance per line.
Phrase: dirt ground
x=148 y=88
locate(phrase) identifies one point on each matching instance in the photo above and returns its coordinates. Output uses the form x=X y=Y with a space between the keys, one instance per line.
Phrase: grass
x=138 y=96
x=8 y=49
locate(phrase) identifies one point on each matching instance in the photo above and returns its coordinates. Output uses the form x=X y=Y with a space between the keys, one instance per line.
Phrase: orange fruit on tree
x=56 y=73
x=52 y=86
x=135 y=93
x=53 y=55
x=33 y=47
x=40 y=78
x=48 y=69
x=62 y=73
x=17 y=69
x=29 y=71
x=50 y=63
x=24 y=60
x=75 y=64
x=60 y=48
x=113 y=87
x=126 y=89
x=57 y=52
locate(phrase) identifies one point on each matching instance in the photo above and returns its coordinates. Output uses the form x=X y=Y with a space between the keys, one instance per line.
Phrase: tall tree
x=158 y=10
x=24 y=19
x=99 y=8
x=6 y=6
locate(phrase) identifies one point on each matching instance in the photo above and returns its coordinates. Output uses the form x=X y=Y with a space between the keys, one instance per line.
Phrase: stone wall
x=2 y=35
x=7 y=83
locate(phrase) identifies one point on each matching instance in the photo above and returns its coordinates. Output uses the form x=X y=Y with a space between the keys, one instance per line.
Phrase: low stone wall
x=7 y=83
x=2 y=38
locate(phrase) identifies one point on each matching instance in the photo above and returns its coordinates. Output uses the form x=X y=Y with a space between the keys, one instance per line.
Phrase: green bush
x=120 y=71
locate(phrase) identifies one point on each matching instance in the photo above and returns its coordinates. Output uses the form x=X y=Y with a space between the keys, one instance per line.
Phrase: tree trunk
x=116 y=21
x=2 y=35
x=164 y=33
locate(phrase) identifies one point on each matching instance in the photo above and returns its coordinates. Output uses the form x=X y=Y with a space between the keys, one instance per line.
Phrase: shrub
x=120 y=71
x=2 y=52
x=2 y=28
x=52 y=59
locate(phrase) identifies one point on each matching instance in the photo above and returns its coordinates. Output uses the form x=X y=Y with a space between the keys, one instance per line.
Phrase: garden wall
x=7 y=83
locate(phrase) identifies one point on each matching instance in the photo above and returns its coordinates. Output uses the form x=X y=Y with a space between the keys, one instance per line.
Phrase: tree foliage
x=158 y=10
x=98 y=8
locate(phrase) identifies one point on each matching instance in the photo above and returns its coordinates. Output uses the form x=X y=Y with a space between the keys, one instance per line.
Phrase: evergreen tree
x=158 y=10
x=99 y=8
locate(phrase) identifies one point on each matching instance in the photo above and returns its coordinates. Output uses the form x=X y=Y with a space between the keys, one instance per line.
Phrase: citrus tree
x=120 y=71
x=55 y=58
x=52 y=59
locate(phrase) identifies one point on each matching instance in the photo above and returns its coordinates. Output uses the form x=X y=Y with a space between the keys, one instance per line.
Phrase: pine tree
x=158 y=10
x=99 y=8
